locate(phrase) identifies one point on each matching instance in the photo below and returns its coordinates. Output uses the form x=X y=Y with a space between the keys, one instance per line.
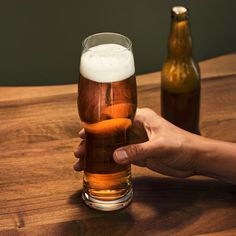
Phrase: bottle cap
x=179 y=13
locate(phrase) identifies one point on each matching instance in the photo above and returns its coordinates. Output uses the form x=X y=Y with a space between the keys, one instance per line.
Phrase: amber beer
x=107 y=101
x=180 y=76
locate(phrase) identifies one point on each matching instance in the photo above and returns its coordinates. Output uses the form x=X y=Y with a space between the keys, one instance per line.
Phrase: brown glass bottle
x=180 y=76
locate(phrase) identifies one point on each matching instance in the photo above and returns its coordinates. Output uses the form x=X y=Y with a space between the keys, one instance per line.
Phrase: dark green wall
x=41 y=40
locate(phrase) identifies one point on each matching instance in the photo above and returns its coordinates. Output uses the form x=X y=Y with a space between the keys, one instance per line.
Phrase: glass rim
x=129 y=46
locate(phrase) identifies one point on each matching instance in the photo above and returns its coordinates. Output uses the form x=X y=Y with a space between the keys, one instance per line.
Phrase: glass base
x=108 y=205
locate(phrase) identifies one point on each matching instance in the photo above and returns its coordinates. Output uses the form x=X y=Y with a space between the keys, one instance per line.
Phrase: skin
x=162 y=147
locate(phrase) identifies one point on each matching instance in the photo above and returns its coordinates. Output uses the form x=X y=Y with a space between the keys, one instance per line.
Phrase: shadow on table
x=95 y=222
x=170 y=203
x=160 y=205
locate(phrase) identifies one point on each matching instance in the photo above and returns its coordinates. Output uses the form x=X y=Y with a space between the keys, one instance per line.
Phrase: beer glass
x=107 y=101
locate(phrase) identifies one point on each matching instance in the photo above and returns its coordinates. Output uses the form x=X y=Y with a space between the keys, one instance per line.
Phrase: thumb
x=132 y=153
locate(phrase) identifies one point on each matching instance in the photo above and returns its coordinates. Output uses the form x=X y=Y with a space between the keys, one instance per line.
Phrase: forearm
x=216 y=159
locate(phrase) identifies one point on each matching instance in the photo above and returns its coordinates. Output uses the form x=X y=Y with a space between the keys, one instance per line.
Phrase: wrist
x=195 y=153
x=202 y=157
x=190 y=152
x=213 y=159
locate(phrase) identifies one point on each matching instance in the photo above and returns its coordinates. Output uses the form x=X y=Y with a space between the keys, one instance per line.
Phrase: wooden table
x=40 y=194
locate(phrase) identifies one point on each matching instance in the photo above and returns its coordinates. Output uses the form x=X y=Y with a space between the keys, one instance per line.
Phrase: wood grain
x=40 y=193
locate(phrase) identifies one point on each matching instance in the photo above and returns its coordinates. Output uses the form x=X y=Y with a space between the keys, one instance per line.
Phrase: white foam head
x=107 y=63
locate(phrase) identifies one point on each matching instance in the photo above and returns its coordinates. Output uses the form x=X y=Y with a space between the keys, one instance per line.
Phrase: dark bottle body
x=182 y=109
x=180 y=77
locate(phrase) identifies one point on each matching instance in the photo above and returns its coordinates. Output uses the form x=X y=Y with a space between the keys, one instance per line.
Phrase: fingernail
x=77 y=167
x=76 y=154
x=81 y=132
x=121 y=155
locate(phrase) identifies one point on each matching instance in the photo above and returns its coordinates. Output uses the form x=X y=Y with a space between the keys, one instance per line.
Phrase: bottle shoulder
x=181 y=75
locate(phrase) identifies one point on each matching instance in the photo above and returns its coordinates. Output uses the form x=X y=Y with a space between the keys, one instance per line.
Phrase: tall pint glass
x=107 y=102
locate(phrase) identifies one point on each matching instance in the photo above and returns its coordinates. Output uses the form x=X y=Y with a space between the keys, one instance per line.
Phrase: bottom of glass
x=108 y=205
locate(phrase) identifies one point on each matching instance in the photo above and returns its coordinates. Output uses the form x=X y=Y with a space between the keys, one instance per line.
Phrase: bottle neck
x=180 y=41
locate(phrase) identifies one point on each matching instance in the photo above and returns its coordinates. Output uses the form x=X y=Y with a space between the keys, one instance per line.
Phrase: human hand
x=155 y=144
x=137 y=134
